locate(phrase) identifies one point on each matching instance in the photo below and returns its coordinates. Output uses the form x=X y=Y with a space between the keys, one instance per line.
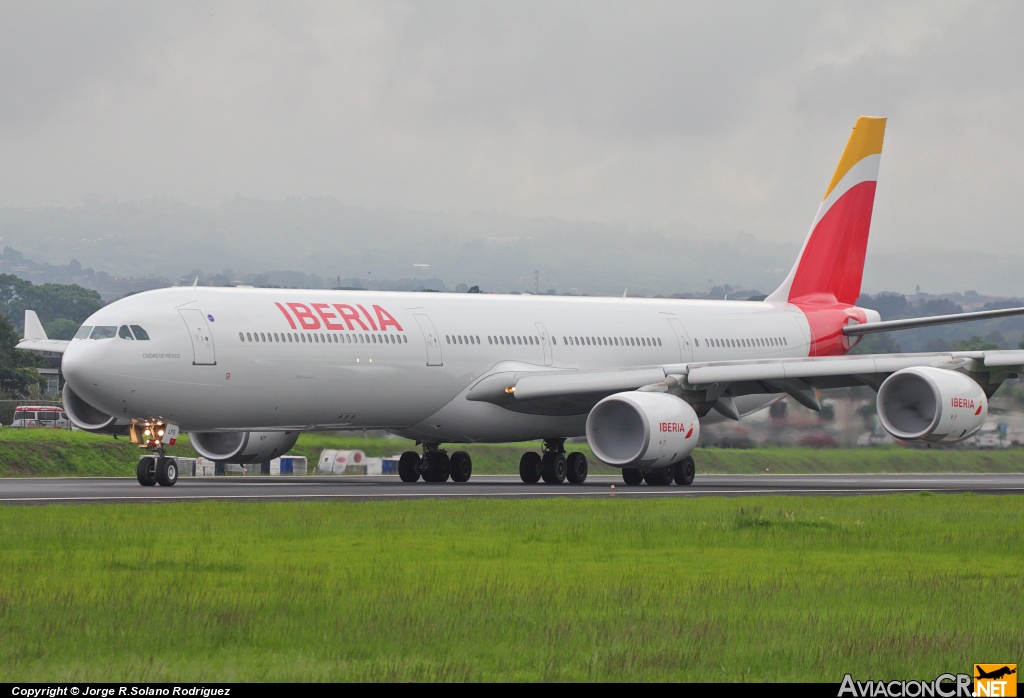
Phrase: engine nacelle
x=642 y=430
x=242 y=446
x=88 y=418
x=931 y=404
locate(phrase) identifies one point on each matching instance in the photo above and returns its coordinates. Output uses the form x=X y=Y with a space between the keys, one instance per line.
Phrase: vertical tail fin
x=831 y=263
x=33 y=327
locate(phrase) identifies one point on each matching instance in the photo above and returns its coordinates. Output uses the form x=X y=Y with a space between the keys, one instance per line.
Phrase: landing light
x=510 y=390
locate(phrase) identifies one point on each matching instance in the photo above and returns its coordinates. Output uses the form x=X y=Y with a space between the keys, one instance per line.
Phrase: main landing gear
x=681 y=473
x=553 y=466
x=435 y=465
x=158 y=468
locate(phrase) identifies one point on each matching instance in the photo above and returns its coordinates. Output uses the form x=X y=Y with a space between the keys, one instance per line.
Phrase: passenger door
x=433 y=341
x=203 y=353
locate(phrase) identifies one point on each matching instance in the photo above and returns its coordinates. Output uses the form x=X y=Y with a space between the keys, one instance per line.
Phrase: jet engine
x=931 y=404
x=642 y=430
x=242 y=446
x=88 y=418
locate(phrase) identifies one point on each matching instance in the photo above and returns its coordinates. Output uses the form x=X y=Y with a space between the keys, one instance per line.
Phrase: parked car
x=40 y=416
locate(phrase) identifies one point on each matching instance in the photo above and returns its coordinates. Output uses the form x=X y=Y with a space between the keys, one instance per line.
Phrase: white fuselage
x=264 y=359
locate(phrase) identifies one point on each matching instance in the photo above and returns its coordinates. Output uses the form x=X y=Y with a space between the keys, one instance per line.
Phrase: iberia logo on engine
x=677 y=427
x=967 y=403
x=995 y=680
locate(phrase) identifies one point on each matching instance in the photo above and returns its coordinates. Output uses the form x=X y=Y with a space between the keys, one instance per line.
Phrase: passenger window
x=83 y=332
x=125 y=333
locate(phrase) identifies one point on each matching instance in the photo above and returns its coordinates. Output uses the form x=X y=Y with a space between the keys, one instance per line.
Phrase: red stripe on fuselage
x=832 y=263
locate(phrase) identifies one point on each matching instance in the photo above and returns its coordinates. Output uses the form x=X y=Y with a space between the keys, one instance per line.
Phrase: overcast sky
x=709 y=118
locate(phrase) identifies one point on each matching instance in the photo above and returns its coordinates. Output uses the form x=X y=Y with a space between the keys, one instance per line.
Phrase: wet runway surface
x=128 y=490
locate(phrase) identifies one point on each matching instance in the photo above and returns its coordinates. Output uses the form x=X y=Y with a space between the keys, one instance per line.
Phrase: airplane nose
x=80 y=364
x=71 y=365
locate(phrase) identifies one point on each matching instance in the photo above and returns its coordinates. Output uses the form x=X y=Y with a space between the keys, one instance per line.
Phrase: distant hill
x=318 y=242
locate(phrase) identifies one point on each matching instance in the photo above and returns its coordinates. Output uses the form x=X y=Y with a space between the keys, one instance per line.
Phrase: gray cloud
x=707 y=118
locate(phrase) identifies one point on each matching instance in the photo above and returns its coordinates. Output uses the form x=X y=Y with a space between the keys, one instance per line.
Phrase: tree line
x=61 y=308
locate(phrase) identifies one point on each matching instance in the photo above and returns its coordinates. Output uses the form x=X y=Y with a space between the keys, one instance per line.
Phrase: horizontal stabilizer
x=911 y=323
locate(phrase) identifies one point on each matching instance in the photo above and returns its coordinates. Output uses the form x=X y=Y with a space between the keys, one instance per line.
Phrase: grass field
x=50 y=453
x=802 y=589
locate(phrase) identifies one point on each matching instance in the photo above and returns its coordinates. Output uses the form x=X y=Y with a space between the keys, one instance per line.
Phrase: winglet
x=33 y=327
x=831 y=263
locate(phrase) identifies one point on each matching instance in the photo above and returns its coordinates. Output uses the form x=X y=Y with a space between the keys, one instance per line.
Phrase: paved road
x=127 y=490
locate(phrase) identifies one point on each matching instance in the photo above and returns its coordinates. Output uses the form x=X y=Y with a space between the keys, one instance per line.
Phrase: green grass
x=56 y=453
x=50 y=453
x=617 y=589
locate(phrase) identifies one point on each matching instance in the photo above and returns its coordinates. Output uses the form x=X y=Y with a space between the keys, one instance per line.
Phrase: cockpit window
x=125 y=333
x=83 y=332
x=103 y=332
x=140 y=333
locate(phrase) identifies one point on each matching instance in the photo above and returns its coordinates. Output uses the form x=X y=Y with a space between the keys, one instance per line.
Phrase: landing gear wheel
x=461 y=466
x=576 y=468
x=146 y=471
x=552 y=468
x=408 y=466
x=529 y=467
x=167 y=471
x=632 y=476
x=438 y=467
x=659 y=478
x=684 y=470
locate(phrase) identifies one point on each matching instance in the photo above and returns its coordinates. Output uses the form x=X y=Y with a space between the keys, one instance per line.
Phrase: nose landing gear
x=158 y=468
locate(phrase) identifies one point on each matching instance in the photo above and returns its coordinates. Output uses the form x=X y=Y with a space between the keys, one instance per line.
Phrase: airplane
x=994 y=674
x=244 y=371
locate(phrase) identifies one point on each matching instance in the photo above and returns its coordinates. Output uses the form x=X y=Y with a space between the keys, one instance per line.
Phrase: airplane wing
x=36 y=340
x=713 y=384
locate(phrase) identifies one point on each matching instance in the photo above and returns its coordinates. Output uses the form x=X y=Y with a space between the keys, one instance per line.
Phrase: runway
x=355 y=488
